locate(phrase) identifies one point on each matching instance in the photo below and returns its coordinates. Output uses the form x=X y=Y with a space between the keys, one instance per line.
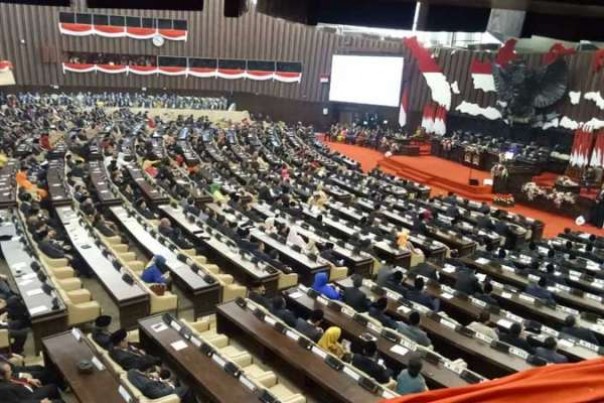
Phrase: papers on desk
x=26 y=282
x=76 y=333
x=98 y=365
x=124 y=394
x=398 y=349
x=38 y=309
x=295 y=294
x=482 y=261
x=481 y=277
x=29 y=276
x=565 y=343
x=159 y=327
x=446 y=295
x=506 y=295
x=37 y=291
x=179 y=345
x=504 y=323
x=449 y=269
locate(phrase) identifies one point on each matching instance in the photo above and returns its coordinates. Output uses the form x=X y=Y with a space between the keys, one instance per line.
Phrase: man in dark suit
x=540 y=291
x=128 y=356
x=467 y=282
x=100 y=331
x=487 y=294
x=367 y=362
x=570 y=327
x=15 y=390
x=548 y=352
x=155 y=386
x=311 y=328
x=279 y=309
x=354 y=297
x=416 y=294
x=512 y=337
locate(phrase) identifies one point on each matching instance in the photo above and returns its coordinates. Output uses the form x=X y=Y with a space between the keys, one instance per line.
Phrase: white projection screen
x=370 y=80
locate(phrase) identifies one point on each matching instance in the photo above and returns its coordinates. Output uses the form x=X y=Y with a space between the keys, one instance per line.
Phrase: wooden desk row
x=327 y=379
x=201 y=288
x=8 y=185
x=132 y=299
x=62 y=354
x=153 y=196
x=222 y=250
x=46 y=309
x=395 y=351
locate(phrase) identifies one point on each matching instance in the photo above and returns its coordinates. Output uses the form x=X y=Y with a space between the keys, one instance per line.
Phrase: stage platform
x=441 y=173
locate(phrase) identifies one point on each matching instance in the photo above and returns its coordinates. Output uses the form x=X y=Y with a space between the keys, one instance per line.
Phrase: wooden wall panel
x=253 y=36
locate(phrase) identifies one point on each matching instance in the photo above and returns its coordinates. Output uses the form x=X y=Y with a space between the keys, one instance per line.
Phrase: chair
x=287 y=280
x=337 y=273
x=139 y=397
x=82 y=312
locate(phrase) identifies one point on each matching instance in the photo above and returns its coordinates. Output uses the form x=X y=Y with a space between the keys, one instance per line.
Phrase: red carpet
x=441 y=173
x=554 y=224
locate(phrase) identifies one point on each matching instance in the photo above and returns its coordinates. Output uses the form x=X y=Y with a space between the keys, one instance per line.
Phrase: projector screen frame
x=366 y=53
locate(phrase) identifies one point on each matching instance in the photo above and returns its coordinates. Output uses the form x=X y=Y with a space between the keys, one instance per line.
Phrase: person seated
x=540 y=291
x=377 y=310
x=105 y=227
x=157 y=385
x=413 y=331
x=512 y=337
x=142 y=208
x=416 y=294
x=279 y=309
x=426 y=270
x=128 y=356
x=570 y=328
x=165 y=227
x=45 y=375
x=100 y=331
x=156 y=271
x=20 y=390
x=354 y=297
x=320 y=285
x=384 y=274
x=368 y=363
x=487 y=294
x=311 y=328
x=481 y=326
x=15 y=319
x=395 y=283
x=51 y=247
x=548 y=352
x=467 y=282
x=410 y=380
x=330 y=342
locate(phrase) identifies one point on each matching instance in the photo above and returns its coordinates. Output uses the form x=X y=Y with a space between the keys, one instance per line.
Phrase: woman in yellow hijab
x=402 y=239
x=330 y=341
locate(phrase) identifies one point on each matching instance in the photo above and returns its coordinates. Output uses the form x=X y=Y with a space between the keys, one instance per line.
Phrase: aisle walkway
x=554 y=224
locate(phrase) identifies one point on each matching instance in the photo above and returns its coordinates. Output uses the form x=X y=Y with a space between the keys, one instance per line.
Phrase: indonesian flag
x=428 y=118
x=439 y=121
x=436 y=80
x=581 y=151
x=402 y=114
x=597 y=156
x=482 y=75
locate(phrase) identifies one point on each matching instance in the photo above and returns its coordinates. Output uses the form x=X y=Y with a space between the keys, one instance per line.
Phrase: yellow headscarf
x=402 y=239
x=329 y=340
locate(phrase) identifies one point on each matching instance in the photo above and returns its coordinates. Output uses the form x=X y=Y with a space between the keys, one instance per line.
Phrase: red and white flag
x=482 y=75
x=402 y=114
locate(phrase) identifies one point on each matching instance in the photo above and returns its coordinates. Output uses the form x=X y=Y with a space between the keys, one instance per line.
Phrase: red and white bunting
x=199 y=72
x=597 y=156
x=110 y=31
x=5 y=66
